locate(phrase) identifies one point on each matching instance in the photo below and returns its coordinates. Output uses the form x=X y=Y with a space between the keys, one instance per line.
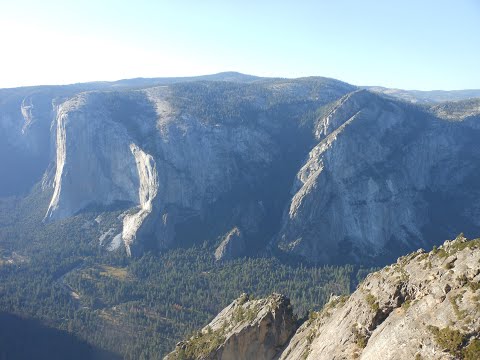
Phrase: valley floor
x=56 y=275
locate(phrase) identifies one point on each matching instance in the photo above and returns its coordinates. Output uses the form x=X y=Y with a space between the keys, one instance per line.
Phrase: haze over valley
x=114 y=194
x=239 y=180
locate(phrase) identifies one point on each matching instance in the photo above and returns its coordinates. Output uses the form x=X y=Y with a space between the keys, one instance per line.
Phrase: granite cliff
x=313 y=168
x=172 y=153
x=384 y=176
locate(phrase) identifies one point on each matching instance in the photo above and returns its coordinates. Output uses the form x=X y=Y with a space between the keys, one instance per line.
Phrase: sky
x=408 y=44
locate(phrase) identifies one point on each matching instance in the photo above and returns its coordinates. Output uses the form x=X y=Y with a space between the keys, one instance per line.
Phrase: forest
x=57 y=276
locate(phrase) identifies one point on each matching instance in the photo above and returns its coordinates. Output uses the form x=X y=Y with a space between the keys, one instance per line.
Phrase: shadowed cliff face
x=245 y=329
x=311 y=166
x=384 y=176
x=24 y=139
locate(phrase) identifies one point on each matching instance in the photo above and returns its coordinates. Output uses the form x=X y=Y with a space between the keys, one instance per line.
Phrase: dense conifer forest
x=57 y=276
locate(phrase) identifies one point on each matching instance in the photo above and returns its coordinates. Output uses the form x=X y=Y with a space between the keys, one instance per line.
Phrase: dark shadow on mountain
x=29 y=339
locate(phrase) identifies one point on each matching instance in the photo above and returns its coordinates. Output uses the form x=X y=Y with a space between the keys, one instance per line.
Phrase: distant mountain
x=424 y=306
x=313 y=169
x=230 y=76
x=433 y=96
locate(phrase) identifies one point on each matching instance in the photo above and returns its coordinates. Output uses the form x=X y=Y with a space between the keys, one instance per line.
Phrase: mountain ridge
x=291 y=163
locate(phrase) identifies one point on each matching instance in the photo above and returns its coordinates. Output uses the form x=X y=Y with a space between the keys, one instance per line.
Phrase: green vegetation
x=138 y=308
x=460 y=314
x=372 y=302
x=406 y=304
x=399 y=268
x=448 y=339
x=439 y=252
x=226 y=102
x=459 y=246
x=141 y=307
x=474 y=285
x=341 y=300
x=472 y=351
x=326 y=310
x=360 y=338
x=202 y=344
x=456 y=343
x=242 y=314
x=420 y=258
x=455 y=247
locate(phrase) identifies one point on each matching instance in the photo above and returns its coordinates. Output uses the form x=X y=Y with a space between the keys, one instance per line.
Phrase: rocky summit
x=424 y=306
x=313 y=168
x=246 y=329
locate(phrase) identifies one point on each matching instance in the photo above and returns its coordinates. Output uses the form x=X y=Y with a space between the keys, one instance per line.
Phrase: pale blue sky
x=422 y=44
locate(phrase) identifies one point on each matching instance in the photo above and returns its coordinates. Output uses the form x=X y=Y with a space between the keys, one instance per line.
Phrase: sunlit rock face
x=232 y=246
x=383 y=176
x=397 y=312
x=94 y=164
x=312 y=167
x=180 y=152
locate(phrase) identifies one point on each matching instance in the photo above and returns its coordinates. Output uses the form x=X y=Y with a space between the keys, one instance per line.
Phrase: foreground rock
x=425 y=306
x=246 y=329
x=232 y=246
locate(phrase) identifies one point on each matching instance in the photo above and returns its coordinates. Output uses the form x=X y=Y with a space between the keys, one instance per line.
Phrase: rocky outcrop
x=232 y=246
x=246 y=329
x=424 y=306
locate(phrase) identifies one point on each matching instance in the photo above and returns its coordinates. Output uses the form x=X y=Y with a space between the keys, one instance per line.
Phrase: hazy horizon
x=428 y=45
x=237 y=72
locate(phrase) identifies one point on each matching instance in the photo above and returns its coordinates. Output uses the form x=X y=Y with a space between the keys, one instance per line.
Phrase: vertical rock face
x=313 y=166
x=94 y=163
x=147 y=192
x=172 y=153
x=382 y=174
x=246 y=329
x=98 y=161
x=424 y=306
x=25 y=149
